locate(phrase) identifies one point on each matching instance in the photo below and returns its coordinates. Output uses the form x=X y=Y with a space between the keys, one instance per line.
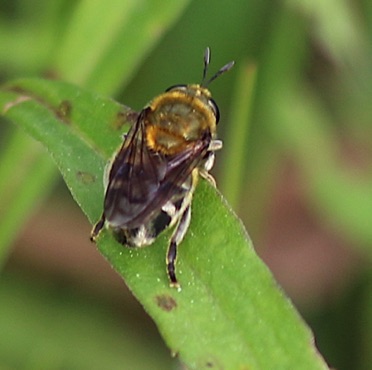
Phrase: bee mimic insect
x=151 y=179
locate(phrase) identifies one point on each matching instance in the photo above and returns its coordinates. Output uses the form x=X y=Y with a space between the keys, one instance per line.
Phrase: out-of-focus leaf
x=298 y=120
x=237 y=135
x=122 y=33
x=341 y=35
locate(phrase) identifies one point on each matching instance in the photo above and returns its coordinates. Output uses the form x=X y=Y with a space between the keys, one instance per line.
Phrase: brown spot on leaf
x=124 y=117
x=63 y=111
x=85 y=177
x=210 y=362
x=166 y=302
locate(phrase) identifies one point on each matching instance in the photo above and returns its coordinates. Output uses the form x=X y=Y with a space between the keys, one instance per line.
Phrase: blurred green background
x=296 y=121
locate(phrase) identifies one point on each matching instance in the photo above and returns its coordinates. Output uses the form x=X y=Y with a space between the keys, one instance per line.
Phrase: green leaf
x=103 y=45
x=229 y=313
x=237 y=135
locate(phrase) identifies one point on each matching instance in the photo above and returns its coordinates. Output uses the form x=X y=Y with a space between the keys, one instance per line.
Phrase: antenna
x=207 y=58
x=225 y=68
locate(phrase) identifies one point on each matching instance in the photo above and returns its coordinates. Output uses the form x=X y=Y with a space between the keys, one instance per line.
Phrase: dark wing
x=179 y=169
x=141 y=181
x=134 y=177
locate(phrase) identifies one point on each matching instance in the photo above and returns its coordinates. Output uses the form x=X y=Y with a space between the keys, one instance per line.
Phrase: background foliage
x=296 y=123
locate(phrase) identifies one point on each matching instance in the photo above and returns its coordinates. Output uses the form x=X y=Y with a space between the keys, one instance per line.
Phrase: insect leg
x=176 y=239
x=215 y=145
x=206 y=175
x=208 y=164
x=209 y=161
x=97 y=228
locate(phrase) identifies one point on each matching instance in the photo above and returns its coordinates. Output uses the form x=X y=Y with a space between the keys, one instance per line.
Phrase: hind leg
x=97 y=228
x=177 y=237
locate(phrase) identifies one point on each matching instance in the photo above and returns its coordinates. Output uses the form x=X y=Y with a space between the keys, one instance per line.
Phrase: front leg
x=209 y=161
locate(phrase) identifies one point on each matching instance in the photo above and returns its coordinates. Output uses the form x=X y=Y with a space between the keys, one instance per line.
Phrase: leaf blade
x=228 y=296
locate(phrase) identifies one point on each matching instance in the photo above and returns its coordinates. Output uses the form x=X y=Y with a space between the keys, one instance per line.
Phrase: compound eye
x=215 y=109
x=176 y=87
